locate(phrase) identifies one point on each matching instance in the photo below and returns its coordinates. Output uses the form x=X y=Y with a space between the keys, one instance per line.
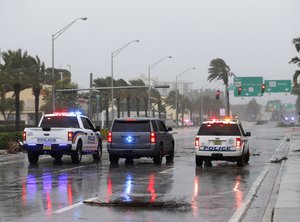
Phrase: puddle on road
x=140 y=203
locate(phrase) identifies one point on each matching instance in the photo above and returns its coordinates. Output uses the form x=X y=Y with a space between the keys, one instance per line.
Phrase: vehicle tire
x=241 y=161
x=247 y=156
x=97 y=156
x=199 y=161
x=113 y=159
x=77 y=155
x=157 y=159
x=170 y=158
x=208 y=163
x=33 y=157
x=129 y=161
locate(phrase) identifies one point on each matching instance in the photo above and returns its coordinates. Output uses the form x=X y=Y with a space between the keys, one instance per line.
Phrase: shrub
x=7 y=138
x=104 y=133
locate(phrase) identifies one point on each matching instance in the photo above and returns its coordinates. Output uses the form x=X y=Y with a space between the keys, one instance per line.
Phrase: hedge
x=5 y=138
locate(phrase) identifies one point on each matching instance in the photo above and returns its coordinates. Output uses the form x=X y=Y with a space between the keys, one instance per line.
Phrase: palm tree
x=296 y=60
x=37 y=78
x=105 y=94
x=138 y=93
x=15 y=68
x=219 y=70
x=120 y=94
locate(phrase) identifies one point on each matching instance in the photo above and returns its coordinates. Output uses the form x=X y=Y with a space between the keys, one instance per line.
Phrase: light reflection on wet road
x=49 y=191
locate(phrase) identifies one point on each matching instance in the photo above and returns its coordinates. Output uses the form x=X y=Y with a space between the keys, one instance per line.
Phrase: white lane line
x=241 y=210
x=166 y=171
x=73 y=206
x=69 y=169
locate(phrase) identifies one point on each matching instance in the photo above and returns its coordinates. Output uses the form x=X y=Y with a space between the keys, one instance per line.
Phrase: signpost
x=278 y=86
x=250 y=86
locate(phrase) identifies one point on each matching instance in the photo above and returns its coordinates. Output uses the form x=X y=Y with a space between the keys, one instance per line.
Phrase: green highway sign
x=250 y=86
x=278 y=86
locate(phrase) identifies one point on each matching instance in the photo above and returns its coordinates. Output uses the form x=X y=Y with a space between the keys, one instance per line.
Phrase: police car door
x=90 y=137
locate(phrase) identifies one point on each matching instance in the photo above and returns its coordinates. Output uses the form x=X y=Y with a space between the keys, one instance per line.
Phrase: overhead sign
x=278 y=86
x=250 y=86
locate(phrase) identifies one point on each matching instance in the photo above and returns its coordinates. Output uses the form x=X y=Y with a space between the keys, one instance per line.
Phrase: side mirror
x=97 y=128
x=170 y=129
x=248 y=134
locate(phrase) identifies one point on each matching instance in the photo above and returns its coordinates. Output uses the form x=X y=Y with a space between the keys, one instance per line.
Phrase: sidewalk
x=287 y=207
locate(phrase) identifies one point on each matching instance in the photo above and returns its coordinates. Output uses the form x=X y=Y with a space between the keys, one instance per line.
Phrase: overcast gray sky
x=252 y=36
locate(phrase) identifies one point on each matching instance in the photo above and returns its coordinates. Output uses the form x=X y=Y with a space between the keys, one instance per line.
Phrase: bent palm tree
x=296 y=60
x=15 y=69
x=219 y=70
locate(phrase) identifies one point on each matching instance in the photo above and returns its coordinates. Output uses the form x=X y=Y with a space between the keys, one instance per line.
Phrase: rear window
x=60 y=121
x=131 y=126
x=219 y=129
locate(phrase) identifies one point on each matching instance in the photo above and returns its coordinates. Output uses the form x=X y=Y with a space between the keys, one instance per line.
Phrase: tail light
x=197 y=142
x=238 y=143
x=24 y=135
x=109 y=137
x=70 y=136
x=152 y=137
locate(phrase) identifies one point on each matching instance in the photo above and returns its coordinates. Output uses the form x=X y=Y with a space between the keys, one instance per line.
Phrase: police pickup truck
x=222 y=140
x=61 y=134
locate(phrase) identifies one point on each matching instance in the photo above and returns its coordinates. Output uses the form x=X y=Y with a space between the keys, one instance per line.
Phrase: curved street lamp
x=114 y=54
x=54 y=37
x=149 y=86
x=176 y=91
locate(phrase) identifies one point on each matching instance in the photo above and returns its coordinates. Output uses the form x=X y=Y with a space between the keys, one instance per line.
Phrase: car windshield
x=131 y=126
x=60 y=121
x=219 y=129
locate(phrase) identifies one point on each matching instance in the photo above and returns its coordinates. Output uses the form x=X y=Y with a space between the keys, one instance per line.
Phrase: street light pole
x=176 y=91
x=54 y=37
x=112 y=55
x=149 y=86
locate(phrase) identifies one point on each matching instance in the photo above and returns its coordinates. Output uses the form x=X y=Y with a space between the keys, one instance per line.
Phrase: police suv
x=61 y=134
x=222 y=140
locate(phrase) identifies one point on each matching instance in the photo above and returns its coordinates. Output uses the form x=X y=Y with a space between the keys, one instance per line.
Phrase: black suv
x=133 y=138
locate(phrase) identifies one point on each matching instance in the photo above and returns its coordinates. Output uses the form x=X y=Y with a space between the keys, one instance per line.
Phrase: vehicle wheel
x=129 y=161
x=157 y=159
x=199 y=161
x=170 y=158
x=113 y=159
x=97 y=156
x=208 y=163
x=33 y=157
x=77 y=155
x=247 y=156
x=241 y=161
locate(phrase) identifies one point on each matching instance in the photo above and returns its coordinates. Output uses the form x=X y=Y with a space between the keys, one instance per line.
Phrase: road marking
x=73 y=206
x=166 y=171
x=73 y=168
x=246 y=203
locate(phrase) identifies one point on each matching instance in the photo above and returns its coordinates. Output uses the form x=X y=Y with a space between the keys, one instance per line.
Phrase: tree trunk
x=227 y=101
x=128 y=105
x=36 y=92
x=118 y=107
x=138 y=107
x=146 y=106
x=17 y=90
x=159 y=109
x=107 y=117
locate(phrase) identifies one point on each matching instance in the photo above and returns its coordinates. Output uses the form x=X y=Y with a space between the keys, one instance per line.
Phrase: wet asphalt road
x=176 y=192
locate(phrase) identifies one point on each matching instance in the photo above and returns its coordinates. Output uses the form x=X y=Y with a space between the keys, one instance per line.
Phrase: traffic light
x=263 y=87
x=239 y=91
x=218 y=95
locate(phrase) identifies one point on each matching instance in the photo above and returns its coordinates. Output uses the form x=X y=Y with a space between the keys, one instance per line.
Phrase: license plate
x=217 y=142
x=47 y=146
